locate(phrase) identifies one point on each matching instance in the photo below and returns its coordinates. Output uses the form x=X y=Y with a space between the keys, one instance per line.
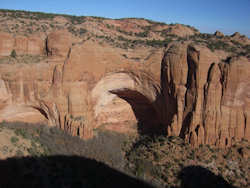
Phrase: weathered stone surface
x=35 y=46
x=244 y=152
x=218 y=34
x=198 y=96
x=207 y=101
x=58 y=43
x=6 y=44
x=32 y=45
x=240 y=38
x=181 y=30
x=21 y=45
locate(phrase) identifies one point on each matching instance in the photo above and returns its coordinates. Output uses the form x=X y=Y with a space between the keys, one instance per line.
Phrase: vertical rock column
x=205 y=102
x=212 y=110
x=174 y=79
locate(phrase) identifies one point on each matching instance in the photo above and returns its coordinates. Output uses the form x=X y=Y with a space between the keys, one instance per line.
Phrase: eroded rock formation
x=32 y=45
x=199 y=95
x=206 y=100
x=218 y=34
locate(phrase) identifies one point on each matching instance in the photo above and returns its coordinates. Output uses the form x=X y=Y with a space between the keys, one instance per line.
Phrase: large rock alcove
x=126 y=102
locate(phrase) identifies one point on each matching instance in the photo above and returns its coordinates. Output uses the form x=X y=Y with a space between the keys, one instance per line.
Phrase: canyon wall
x=32 y=45
x=78 y=88
x=188 y=91
x=206 y=100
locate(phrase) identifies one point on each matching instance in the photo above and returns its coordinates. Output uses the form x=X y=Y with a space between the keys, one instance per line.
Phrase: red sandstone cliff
x=206 y=100
x=81 y=83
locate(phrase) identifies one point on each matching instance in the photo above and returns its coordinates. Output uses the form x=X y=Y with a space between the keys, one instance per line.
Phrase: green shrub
x=76 y=19
x=19 y=153
x=82 y=31
x=14 y=139
x=218 y=45
x=142 y=34
x=124 y=32
x=13 y=54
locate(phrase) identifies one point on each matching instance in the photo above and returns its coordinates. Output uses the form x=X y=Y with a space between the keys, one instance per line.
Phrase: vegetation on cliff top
x=128 y=34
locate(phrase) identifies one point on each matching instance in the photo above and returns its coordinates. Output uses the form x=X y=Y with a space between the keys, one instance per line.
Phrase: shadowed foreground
x=73 y=171
x=197 y=176
x=62 y=171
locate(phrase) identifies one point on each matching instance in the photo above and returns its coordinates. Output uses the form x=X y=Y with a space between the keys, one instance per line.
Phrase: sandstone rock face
x=6 y=44
x=78 y=93
x=240 y=38
x=58 y=43
x=182 y=31
x=126 y=96
x=35 y=46
x=206 y=101
x=32 y=45
x=21 y=45
x=21 y=89
x=83 y=96
x=190 y=92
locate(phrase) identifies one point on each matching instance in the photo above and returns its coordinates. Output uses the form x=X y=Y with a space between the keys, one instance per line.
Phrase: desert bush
x=76 y=19
x=82 y=31
x=205 y=36
x=142 y=34
x=14 y=139
x=124 y=32
x=218 y=45
x=19 y=153
x=106 y=146
x=13 y=54
x=158 y=43
x=236 y=43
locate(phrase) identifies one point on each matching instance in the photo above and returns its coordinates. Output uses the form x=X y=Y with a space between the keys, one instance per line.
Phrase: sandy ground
x=13 y=145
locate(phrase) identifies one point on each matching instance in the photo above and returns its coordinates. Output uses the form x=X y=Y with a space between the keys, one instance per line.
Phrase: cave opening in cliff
x=127 y=102
x=143 y=109
x=78 y=131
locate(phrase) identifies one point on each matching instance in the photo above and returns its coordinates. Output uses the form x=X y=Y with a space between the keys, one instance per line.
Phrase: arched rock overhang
x=126 y=101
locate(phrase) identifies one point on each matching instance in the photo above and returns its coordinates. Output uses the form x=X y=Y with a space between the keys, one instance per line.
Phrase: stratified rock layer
x=32 y=45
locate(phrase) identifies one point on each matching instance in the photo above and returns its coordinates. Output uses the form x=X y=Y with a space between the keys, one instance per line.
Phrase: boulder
x=218 y=34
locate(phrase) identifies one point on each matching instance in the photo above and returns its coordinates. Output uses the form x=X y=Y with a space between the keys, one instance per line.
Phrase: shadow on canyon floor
x=73 y=171
x=197 y=176
x=62 y=171
x=144 y=111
